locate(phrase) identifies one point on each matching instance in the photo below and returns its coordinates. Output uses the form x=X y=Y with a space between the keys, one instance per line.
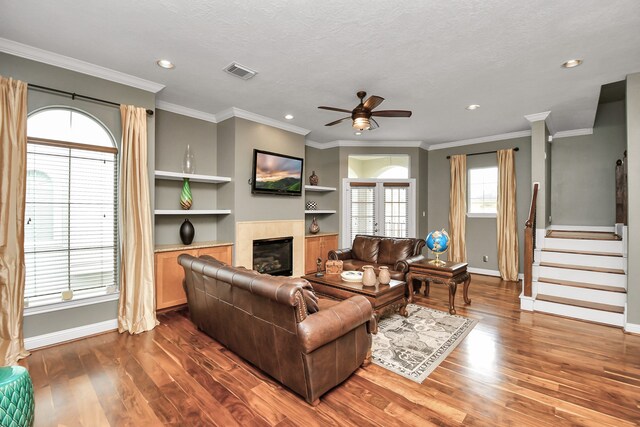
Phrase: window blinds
x=363 y=203
x=70 y=221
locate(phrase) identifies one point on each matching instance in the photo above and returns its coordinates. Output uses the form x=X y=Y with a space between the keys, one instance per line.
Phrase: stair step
x=577 y=252
x=583 y=285
x=583 y=268
x=579 y=303
x=582 y=235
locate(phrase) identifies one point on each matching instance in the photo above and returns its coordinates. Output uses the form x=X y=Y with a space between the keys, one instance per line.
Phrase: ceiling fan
x=362 y=115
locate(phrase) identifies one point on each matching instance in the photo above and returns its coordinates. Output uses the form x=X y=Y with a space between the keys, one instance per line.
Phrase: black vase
x=187 y=232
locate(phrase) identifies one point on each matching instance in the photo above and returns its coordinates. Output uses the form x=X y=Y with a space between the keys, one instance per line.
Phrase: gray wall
x=633 y=157
x=583 y=170
x=326 y=165
x=58 y=78
x=481 y=235
x=173 y=133
x=236 y=140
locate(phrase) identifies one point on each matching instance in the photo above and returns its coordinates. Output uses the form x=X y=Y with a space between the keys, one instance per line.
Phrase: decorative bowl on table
x=351 y=276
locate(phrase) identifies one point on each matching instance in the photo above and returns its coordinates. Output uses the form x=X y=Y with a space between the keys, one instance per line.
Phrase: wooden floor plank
x=514 y=368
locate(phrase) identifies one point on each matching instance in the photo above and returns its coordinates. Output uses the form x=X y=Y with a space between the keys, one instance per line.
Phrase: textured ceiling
x=430 y=57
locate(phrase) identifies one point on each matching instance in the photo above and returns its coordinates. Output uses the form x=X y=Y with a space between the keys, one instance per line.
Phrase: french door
x=378 y=207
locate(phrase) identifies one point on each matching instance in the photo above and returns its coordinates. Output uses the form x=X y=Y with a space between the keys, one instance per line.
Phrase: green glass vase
x=185 y=196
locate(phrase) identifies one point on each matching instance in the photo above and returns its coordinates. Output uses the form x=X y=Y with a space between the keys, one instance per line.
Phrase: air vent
x=240 y=71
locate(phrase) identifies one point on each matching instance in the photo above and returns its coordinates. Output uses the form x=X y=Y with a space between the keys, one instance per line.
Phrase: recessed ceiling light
x=165 y=63
x=473 y=107
x=572 y=63
x=289 y=117
x=357 y=133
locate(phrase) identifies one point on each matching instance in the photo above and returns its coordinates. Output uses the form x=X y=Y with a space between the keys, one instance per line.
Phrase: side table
x=446 y=273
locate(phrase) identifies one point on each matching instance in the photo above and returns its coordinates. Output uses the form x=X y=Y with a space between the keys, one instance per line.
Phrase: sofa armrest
x=331 y=323
x=403 y=264
x=340 y=254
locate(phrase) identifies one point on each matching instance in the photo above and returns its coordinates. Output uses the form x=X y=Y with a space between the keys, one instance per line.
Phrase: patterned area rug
x=414 y=346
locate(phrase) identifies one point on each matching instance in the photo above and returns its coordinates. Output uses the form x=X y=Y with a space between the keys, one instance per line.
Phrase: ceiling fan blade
x=342 y=110
x=338 y=121
x=392 y=113
x=374 y=124
x=373 y=102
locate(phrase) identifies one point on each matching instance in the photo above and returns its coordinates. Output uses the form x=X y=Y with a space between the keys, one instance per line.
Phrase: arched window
x=71 y=230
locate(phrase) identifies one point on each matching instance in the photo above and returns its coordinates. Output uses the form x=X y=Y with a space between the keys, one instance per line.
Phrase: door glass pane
x=363 y=218
x=395 y=207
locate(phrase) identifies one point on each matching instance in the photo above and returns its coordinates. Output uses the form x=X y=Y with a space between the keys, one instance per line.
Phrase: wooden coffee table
x=446 y=273
x=385 y=299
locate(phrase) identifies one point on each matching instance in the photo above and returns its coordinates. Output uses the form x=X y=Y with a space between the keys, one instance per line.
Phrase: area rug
x=414 y=346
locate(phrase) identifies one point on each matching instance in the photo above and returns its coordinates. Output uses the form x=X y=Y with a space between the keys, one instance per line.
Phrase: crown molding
x=573 y=132
x=537 y=116
x=354 y=143
x=66 y=62
x=185 y=111
x=247 y=115
x=490 y=138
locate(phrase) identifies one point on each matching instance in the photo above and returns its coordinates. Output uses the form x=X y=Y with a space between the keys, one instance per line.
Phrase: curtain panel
x=458 y=209
x=136 y=309
x=13 y=180
x=507 y=219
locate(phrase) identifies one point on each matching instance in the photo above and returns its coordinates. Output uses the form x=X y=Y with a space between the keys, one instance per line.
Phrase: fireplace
x=273 y=256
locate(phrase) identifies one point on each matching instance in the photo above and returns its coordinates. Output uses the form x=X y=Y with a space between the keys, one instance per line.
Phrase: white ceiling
x=431 y=57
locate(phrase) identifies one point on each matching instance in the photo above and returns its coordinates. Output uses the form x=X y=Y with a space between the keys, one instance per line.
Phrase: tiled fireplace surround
x=248 y=231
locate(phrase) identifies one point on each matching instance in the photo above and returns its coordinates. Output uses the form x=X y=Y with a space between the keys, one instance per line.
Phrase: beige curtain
x=136 y=311
x=458 y=209
x=13 y=177
x=507 y=216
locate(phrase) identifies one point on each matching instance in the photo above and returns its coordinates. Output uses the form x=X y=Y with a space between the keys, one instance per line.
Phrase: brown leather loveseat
x=393 y=252
x=279 y=325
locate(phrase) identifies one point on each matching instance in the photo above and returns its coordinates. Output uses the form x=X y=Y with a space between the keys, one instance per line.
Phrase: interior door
x=378 y=207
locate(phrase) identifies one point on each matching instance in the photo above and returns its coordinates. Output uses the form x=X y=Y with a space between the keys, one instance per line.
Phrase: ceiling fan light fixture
x=361 y=123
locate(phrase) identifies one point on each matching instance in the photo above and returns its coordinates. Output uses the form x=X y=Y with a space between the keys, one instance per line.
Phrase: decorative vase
x=313 y=179
x=384 y=277
x=188 y=161
x=187 y=232
x=185 y=196
x=368 y=276
x=311 y=205
x=314 y=228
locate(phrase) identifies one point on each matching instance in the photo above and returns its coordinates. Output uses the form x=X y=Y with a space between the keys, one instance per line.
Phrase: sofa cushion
x=392 y=250
x=365 y=248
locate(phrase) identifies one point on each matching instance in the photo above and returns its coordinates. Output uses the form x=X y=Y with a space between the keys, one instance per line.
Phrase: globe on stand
x=438 y=243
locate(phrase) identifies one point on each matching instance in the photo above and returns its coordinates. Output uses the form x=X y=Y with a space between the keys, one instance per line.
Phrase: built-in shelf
x=177 y=176
x=320 y=211
x=192 y=212
x=318 y=188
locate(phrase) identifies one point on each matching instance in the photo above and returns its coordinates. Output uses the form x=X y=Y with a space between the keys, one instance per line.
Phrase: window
x=379 y=166
x=71 y=232
x=483 y=191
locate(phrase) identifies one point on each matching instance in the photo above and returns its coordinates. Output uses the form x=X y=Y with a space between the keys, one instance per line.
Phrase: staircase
x=581 y=274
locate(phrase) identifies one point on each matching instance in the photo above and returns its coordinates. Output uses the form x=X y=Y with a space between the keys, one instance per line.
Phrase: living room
x=526 y=360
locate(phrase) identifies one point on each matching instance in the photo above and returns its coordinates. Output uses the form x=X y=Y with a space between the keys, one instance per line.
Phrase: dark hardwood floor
x=515 y=368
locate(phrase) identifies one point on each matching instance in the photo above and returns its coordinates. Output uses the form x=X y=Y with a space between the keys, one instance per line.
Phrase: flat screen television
x=276 y=174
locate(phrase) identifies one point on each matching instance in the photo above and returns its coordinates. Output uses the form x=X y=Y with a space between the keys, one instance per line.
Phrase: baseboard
x=596 y=228
x=526 y=303
x=487 y=272
x=65 y=335
x=632 y=328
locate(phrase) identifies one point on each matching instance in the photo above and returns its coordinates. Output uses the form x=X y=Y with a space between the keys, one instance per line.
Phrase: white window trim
x=64 y=305
x=482 y=215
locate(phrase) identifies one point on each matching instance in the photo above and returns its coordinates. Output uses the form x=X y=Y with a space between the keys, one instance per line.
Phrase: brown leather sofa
x=278 y=324
x=394 y=252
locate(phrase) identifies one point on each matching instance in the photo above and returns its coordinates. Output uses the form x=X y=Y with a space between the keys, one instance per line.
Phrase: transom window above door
x=379 y=166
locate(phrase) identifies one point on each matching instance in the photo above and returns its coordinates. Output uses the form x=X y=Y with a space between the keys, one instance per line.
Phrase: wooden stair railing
x=530 y=243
